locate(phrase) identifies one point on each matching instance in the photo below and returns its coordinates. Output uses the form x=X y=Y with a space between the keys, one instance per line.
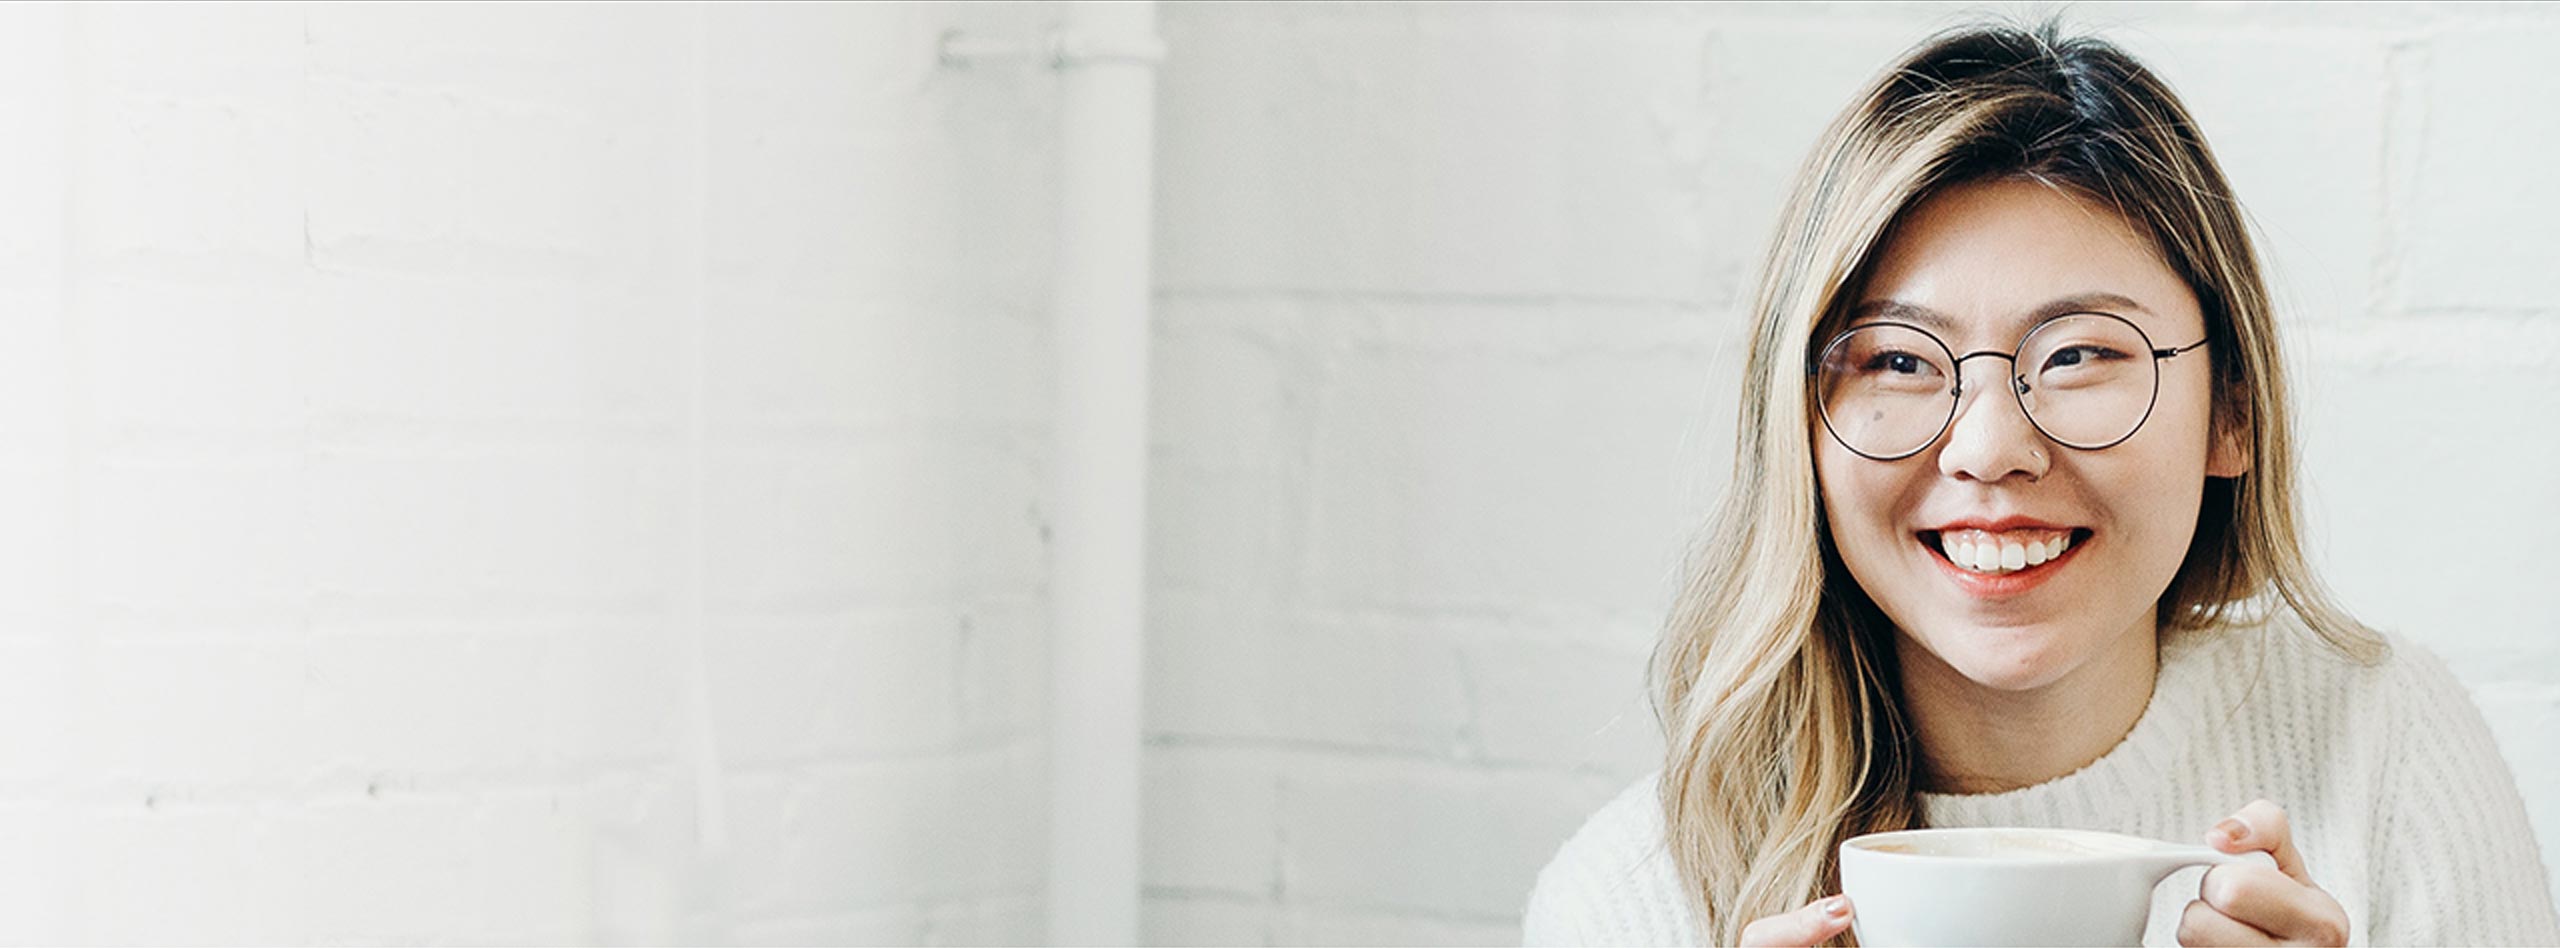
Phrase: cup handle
x=2159 y=863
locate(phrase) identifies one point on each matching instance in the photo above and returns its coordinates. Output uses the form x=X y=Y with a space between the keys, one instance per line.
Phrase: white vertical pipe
x=1097 y=575
x=706 y=917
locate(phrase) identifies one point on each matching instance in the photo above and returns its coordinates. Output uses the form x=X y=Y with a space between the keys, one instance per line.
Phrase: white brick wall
x=1446 y=354
x=402 y=407
x=362 y=555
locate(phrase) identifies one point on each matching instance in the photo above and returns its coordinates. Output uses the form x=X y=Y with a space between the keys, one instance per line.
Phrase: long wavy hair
x=1775 y=678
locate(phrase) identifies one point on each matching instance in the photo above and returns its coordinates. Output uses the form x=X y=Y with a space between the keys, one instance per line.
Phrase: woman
x=2011 y=541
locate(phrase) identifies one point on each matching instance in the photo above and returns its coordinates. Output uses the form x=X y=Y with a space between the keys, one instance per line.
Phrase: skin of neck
x=1975 y=739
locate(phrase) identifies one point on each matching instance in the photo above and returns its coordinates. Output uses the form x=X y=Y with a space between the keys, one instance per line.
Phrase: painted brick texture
x=1448 y=344
x=574 y=473
x=526 y=474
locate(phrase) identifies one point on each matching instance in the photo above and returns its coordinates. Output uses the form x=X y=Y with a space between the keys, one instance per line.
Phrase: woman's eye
x=2069 y=356
x=1897 y=363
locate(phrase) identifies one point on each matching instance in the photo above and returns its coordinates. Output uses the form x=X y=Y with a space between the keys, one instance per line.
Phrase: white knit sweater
x=2399 y=802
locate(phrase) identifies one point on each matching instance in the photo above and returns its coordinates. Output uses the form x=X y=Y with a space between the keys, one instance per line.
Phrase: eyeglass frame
x=2017 y=383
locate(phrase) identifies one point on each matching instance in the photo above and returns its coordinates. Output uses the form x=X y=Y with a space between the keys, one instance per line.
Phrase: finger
x=2202 y=925
x=2261 y=826
x=1810 y=925
x=2273 y=902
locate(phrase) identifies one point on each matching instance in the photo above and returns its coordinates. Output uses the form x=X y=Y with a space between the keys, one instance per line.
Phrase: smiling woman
x=2012 y=542
x=1992 y=631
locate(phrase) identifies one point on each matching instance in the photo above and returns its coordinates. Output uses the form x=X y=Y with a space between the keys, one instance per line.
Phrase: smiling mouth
x=1987 y=554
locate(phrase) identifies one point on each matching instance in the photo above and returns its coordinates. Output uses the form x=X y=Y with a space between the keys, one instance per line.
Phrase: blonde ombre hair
x=1775 y=678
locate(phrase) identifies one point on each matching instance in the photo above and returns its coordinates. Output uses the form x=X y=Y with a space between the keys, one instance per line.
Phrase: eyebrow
x=1933 y=319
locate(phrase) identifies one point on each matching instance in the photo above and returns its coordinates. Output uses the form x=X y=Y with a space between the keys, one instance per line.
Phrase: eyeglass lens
x=2085 y=380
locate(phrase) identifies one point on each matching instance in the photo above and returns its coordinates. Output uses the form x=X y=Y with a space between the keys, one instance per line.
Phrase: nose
x=1991 y=437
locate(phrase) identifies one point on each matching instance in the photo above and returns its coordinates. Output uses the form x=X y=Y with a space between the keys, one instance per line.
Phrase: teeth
x=1988 y=553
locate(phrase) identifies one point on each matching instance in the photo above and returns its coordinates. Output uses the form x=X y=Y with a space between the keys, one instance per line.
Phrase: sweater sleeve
x=1612 y=883
x=1549 y=919
x=1607 y=889
x=2455 y=857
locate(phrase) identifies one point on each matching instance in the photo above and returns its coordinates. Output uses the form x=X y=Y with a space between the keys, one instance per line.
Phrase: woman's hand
x=2251 y=904
x=1811 y=925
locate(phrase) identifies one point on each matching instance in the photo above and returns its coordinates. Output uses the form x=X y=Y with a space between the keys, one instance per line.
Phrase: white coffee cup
x=2008 y=885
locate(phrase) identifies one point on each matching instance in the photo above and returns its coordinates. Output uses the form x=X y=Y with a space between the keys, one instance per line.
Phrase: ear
x=2230 y=455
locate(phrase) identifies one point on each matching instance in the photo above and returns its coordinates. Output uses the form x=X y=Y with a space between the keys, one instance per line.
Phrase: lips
x=2007 y=551
x=1995 y=563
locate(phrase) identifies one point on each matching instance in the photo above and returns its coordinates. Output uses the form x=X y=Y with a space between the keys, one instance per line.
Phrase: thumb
x=1811 y=925
x=2262 y=827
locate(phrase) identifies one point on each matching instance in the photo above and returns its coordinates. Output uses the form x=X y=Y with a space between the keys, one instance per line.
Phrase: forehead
x=1988 y=259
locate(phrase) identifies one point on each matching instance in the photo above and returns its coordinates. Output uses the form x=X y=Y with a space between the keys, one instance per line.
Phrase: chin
x=2007 y=659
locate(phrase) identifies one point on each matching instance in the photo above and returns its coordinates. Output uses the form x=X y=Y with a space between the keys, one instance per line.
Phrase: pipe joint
x=1060 y=50
x=1084 y=49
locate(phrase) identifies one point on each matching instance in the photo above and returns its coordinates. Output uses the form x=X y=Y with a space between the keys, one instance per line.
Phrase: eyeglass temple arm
x=2173 y=353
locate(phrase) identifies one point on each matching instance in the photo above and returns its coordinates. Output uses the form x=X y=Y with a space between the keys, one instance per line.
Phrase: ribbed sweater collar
x=2198 y=675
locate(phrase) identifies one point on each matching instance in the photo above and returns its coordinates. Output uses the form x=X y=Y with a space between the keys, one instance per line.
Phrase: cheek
x=1857 y=501
x=1837 y=490
x=2164 y=473
x=2183 y=415
x=2155 y=492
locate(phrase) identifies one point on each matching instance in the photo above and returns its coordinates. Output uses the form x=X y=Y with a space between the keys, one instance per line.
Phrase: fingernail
x=2232 y=829
x=1836 y=906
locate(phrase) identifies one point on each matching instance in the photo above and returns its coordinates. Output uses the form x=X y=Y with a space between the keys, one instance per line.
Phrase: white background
x=576 y=473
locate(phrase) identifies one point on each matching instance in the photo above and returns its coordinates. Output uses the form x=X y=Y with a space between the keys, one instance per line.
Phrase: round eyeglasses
x=2085 y=380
